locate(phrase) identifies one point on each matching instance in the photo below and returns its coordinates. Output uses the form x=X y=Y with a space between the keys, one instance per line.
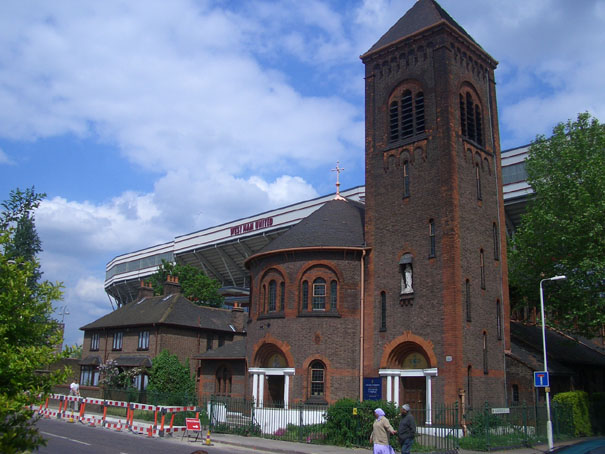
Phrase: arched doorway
x=409 y=379
x=271 y=377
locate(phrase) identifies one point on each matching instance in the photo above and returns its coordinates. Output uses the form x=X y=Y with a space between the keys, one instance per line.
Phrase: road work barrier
x=78 y=413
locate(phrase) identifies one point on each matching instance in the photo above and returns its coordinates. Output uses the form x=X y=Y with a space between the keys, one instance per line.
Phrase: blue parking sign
x=541 y=379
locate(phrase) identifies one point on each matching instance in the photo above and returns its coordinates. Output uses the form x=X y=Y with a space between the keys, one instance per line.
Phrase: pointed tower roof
x=424 y=14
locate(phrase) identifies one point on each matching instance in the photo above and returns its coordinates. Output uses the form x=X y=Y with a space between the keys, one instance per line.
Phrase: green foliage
x=170 y=382
x=29 y=338
x=579 y=417
x=196 y=286
x=18 y=219
x=114 y=377
x=563 y=229
x=343 y=428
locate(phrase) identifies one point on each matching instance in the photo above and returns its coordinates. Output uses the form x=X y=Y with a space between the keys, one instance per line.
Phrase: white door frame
x=393 y=376
x=258 y=383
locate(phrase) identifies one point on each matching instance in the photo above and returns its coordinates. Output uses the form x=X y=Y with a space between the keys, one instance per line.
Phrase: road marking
x=66 y=438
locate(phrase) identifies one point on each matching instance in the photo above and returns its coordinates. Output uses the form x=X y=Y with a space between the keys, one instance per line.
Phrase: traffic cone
x=149 y=432
x=93 y=422
x=208 y=438
x=119 y=428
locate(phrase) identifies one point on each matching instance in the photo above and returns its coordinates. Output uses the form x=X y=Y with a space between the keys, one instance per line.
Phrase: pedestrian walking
x=74 y=390
x=381 y=429
x=407 y=429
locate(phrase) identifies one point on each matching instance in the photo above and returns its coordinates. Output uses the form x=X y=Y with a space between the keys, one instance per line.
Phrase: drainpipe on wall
x=361 y=327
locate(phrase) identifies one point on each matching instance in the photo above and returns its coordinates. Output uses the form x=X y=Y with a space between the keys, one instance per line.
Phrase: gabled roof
x=424 y=14
x=559 y=346
x=339 y=223
x=173 y=310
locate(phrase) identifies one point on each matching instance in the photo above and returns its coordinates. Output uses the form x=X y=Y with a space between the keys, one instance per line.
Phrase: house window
x=117 y=341
x=319 y=294
x=485 y=365
x=305 y=296
x=406 y=179
x=318 y=377
x=467 y=297
x=471 y=119
x=223 y=381
x=406 y=115
x=94 y=342
x=141 y=381
x=383 y=311
x=496 y=241
x=431 y=238
x=499 y=319
x=516 y=393
x=89 y=376
x=143 y=340
x=209 y=341
x=272 y=295
x=478 y=180
x=482 y=266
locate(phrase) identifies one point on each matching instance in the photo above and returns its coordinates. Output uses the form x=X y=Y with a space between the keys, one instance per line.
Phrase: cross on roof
x=338 y=170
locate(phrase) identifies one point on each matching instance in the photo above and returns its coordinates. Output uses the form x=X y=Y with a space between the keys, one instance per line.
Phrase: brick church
x=406 y=295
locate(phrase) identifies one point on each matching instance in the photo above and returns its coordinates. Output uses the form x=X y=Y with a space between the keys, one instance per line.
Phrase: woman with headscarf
x=381 y=430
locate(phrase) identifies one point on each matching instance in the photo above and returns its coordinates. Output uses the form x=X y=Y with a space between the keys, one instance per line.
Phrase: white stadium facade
x=221 y=251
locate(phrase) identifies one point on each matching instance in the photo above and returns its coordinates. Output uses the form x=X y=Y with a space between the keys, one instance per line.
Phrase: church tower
x=435 y=321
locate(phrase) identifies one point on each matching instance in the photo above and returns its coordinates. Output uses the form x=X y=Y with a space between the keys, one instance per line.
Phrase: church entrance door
x=275 y=383
x=413 y=392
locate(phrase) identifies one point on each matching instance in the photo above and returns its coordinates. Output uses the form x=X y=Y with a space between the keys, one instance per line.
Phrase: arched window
x=499 y=319
x=431 y=238
x=482 y=266
x=406 y=179
x=471 y=118
x=319 y=294
x=478 y=181
x=485 y=365
x=406 y=114
x=305 y=296
x=317 y=378
x=469 y=386
x=272 y=296
x=496 y=241
x=467 y=297
x=383 y=311
x=223 y=381
x=333 y=294
x=282 y=295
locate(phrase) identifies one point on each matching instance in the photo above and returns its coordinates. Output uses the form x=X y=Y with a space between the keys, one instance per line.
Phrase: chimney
x=172 y=286
x=238 y=318
x=145 y=290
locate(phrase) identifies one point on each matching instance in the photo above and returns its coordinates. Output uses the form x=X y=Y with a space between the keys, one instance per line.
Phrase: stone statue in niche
x=406 y=278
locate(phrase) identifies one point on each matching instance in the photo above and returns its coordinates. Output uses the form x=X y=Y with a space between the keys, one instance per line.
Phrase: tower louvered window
x=471 y=119
x=406 y=115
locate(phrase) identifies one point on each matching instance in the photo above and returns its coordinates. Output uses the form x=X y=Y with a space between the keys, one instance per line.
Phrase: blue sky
x=146 y=120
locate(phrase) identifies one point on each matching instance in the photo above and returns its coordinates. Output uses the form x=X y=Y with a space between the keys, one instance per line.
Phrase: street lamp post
x=547 y=389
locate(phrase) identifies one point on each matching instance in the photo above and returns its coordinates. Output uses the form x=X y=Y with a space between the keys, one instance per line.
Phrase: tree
x=29 y=338
x=170 y=382
x=18 y=215
x=196 y=286
x=563 y=229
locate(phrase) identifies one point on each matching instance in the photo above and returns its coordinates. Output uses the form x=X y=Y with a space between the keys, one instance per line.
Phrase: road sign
x=541 y=379
x=193 y=424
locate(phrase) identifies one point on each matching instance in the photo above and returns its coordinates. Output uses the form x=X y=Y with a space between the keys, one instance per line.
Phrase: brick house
x=134 y=334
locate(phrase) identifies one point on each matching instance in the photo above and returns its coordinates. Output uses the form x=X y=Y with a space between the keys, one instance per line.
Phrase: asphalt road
x=72 y=438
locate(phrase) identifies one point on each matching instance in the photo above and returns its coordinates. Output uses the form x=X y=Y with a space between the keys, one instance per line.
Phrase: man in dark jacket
x=407 y=429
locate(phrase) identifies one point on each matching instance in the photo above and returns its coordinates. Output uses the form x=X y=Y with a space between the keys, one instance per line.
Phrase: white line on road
x=66 y=438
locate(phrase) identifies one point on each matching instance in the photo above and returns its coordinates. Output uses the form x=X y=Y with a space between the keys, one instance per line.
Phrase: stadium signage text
x=251 y=226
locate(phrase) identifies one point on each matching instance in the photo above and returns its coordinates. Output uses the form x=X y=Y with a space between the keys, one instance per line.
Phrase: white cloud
x=5 y=159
